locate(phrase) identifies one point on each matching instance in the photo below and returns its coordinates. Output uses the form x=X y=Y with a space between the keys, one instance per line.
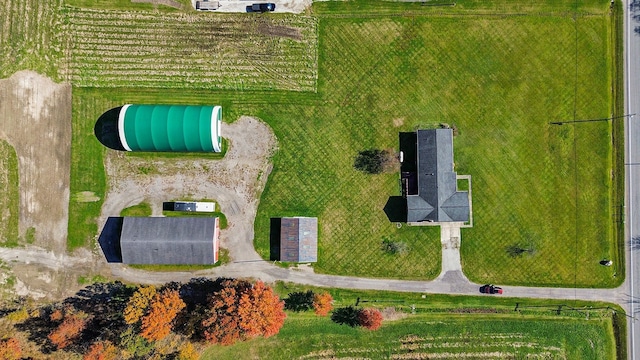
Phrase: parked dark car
x=490 y=289
x=261 y=7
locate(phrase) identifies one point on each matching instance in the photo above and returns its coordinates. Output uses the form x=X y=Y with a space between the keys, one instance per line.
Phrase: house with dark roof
x=170 y=240
x=429 y=182
x=299 y=239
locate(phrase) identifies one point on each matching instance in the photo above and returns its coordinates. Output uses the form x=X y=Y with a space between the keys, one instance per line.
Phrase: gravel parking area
x=290 y=6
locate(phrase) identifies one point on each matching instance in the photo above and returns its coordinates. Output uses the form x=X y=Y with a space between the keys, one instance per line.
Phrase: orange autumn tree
x=322 y=304
x=370 y=318
x=163 y=308
x=69 y=330
x=10 y=349
x=102 y=350
x=242 y=311
x=261 y=311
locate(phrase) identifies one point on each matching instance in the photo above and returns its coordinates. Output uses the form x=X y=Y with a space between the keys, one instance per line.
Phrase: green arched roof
x=174 y=128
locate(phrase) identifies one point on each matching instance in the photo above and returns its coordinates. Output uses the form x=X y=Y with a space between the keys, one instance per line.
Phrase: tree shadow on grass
x=109 y=239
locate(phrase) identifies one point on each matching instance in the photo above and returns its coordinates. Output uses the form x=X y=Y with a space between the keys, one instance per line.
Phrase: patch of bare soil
x=279 y=30
x=35 y=118
x=390 y=314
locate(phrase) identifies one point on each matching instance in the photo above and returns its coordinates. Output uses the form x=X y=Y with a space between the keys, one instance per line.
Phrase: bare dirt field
x=35 y=118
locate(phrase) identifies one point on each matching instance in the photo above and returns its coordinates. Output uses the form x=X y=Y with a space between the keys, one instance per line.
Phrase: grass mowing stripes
x=500 y=80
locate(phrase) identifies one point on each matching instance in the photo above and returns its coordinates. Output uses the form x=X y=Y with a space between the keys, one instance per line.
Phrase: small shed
x=299 y=239
x=170 y=240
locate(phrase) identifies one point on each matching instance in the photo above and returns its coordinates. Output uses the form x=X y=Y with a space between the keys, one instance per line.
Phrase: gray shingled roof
x=299 y=239
x=438 y=199
x=168 y=240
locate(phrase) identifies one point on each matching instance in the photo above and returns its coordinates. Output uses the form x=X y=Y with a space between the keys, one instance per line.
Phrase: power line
x=591 y=120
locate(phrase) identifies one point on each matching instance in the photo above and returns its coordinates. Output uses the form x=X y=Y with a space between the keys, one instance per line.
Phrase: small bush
x=346 y=316
x=370 y=318
x=373 y=161
x=299 y=301
x=517 y=250
x=394 y=247
x=322 y=303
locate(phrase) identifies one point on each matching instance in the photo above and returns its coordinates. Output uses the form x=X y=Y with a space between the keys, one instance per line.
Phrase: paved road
x=632 y=133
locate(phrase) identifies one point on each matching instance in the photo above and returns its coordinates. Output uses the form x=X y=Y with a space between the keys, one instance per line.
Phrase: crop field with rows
x=28 y=38
x=110 y=48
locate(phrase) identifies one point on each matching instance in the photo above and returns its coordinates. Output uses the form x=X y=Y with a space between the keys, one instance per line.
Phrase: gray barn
x=170 y=240
x=299 y=239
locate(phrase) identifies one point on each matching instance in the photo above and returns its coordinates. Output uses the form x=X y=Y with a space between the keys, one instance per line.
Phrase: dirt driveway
x=235 y=182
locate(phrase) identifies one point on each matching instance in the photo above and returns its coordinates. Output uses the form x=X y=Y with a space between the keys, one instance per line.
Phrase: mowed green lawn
x=500 y=80
x=440 y=326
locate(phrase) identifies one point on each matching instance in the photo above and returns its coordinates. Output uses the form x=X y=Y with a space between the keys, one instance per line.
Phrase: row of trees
x=322 y=304
x=115 y=321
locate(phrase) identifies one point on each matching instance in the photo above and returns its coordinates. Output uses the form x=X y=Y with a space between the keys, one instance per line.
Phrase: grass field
x=500 y=80
x=438 y=326
x=9 y=195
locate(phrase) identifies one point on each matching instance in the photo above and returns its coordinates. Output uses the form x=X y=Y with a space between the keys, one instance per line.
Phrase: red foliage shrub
x=370 y=318
x=322 y=304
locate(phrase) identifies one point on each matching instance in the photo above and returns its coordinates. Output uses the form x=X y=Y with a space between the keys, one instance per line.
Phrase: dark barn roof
x=437 y=198
x=168 y=240
x=299 y=239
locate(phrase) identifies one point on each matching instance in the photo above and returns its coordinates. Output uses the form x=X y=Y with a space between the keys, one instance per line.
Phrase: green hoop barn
x=161 y=128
